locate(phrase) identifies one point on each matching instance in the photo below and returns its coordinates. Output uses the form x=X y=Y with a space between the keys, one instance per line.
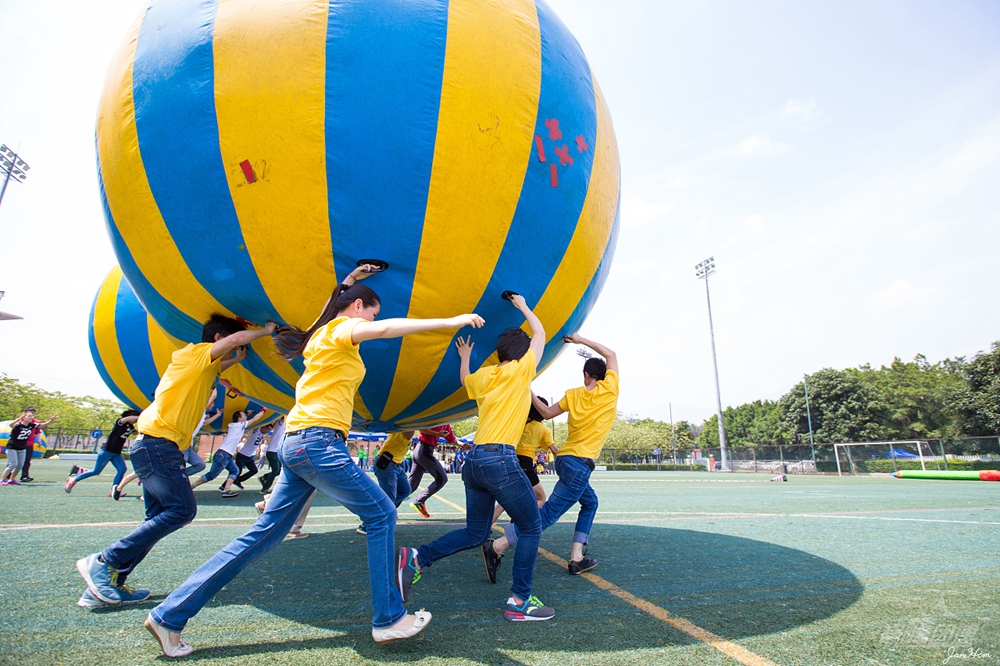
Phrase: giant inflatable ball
x=131 y=353
x=251 y=153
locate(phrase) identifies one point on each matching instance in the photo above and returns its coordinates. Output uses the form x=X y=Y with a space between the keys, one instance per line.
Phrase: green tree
x=75 y=413
x=844 y=408
x=758 y=423
x=918 y=396
x=976 y=403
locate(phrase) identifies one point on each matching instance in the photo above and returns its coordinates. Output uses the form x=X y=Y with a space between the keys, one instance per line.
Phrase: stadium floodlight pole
x=11 y=166
x=809 y=418
x=673 y=441
x=702 y=271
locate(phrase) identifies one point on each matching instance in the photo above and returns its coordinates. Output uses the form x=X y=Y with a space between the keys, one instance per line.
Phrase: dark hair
x=236 y=415
x=29 y=409
x=130 y=412
x=222 y=325
x=291 y=340
x=534 y=414
x=596 y=368
x=512 y=344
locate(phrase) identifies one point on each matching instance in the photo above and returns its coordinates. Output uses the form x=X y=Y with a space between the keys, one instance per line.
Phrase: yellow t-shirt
x=396 y=444
x=324 y=394
x=179 y=403
x=536 y=437
x=591 y=415
x=503 y=393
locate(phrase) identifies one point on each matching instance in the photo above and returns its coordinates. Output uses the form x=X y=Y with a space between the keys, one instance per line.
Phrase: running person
x=247 y=455
x=29 y=451
x=273 y=463
x=165 y=429
x=111 y=452
x=314 y=455
x=224 y=458
x=389 y=470
x=535 y=437
x=424 y=461
x=492 y=472
x=592 y=410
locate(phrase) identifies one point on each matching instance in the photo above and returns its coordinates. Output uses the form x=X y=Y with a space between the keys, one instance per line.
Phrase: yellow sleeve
x=546 y=438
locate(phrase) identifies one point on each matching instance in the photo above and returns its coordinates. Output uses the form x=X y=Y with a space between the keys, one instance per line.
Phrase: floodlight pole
x=702 y=271
x=17 y=168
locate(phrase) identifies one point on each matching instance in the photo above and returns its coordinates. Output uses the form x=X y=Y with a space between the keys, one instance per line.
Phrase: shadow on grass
x=731 y=586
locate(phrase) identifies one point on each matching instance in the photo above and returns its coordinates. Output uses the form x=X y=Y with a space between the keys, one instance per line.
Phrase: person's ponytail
x=291 y=341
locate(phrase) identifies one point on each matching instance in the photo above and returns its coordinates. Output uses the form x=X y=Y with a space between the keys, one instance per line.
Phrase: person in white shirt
x=246 y=457
x=223 y=458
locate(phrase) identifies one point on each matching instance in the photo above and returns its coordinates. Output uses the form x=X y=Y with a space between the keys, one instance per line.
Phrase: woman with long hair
x=314 y=455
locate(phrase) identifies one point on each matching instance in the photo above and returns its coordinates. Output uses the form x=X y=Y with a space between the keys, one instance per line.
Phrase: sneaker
x=130 y=596
x=491 y=560
x=362 y=529
x=238 y=485
x=3 y=483
x=87 y=600
x=231 y=493
x=297 y=535
x=15 y=482
x=117 y=494
x=162 y=636
x=421 y=509
x=532 y=610
x=101 y=578
x=26 y=479
x=70 y=483
x=222 y=488
x=583 y=564
x=407 y=571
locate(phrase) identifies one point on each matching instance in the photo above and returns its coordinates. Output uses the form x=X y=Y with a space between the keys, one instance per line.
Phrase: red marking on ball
x=554 y=133
x=581 y=144
x=248 y=171
x=555 y=175
x=564 y=156
x=541 y=148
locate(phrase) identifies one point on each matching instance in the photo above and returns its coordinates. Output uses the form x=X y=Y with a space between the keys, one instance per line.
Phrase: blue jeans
x=221 y=461
x=393 y=482
x=573 y=486
x=311 y=458
x=169 y=500
x=194 y=462
x=492 y=474
x=103 y=458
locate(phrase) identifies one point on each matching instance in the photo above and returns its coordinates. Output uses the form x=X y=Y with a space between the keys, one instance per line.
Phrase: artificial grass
x=818 y=570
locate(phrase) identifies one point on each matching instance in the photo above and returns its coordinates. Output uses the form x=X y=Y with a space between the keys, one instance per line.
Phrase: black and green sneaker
x=532 y=610
x=491 y=560
x=407 y=571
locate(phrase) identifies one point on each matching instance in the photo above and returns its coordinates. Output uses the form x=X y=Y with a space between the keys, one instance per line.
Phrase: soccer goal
x=869 y=457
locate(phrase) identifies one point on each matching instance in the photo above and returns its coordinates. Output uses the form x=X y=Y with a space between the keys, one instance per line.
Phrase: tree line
x=75 y=413
x=956 y=397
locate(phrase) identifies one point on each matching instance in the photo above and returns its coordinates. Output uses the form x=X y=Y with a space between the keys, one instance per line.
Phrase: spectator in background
x=362 y=457
x=408 y=460
x=29 y=451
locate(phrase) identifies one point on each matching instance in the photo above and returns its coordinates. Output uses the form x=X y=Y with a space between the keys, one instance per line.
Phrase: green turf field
x=714 y=569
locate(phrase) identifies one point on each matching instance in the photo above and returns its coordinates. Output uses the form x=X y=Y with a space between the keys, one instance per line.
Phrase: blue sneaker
x=87 y=600
x=531 y=610
x=101 y=579
x=130 y=596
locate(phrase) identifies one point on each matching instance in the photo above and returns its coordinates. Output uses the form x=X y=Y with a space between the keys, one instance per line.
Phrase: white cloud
x=904 y=294
x=758 y=145
x=801 y=109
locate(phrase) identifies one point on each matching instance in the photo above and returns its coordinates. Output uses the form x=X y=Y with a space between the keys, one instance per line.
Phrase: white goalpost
x=893 y=450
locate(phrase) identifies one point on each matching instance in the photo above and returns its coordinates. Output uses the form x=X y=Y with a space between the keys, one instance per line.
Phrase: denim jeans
x=103 y=458
x=492 y=474
x=222 y=461
x=169 y=500
x=311 y=458
x=393 y=482
x=573 y=486
x=194 y=462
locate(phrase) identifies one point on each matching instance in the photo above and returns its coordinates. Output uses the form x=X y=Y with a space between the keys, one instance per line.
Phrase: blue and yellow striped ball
x=131 y=352
x=250 y=153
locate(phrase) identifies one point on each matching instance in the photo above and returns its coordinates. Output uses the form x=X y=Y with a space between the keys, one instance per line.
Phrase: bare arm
x=534 y=323
x=547 y=411
x=129 y=419
x=609 y=356
x=242 y=339
x=257 y=417
x=397 y=328
x=55 y=416
x=214 y=415
x=465 y=353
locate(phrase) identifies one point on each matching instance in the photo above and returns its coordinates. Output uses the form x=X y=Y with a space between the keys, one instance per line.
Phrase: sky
x=839 y=160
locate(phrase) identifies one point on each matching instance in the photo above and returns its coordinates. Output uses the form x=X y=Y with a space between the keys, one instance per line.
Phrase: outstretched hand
x=473 y=320
x=465 y=346
x=573 y=338
x=517 y=300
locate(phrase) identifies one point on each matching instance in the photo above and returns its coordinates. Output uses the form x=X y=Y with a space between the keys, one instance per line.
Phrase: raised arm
x=534 y=323
x=227 y=344
x=609 y=356
x=129 y=419
x=547 y=411
x=55 y=416
x=465 y=353
x=257 y=417
x=397 y=328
